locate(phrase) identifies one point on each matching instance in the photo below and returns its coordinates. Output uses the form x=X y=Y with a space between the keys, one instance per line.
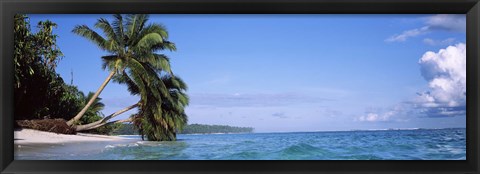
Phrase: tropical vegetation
x=40 y=93
x=210 y=129
x=132 y=47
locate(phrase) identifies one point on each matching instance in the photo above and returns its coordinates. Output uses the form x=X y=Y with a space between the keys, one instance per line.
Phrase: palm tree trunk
x=82 y=112
x=105 y=119
x=112 y=122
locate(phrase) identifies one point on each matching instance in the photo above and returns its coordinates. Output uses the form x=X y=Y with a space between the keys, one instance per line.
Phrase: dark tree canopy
x=39 y=91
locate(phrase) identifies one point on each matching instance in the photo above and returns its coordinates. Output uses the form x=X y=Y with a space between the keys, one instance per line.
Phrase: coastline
x=30 y=137
x=28 y=143
x=438 y=144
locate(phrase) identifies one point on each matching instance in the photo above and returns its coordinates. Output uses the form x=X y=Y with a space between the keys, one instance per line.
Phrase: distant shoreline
x=364 y=130
x=360 y=130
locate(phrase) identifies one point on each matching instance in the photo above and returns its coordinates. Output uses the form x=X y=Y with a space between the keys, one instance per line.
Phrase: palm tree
x=158 y=122
x=94 y=110
x=132 y=45
x=161 y=122
x=103 y=121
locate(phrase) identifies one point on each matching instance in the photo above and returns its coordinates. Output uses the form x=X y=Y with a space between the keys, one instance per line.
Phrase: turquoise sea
x=418 y=144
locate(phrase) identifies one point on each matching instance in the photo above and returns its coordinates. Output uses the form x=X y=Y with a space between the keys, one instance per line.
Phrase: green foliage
x=132 y=45
x=94 y=114
x=38 y=90
x=34 y=48
x=94 y=111
x=168 y=116
x=108 y=129
x=208 y=129
x=125 y=129
x=129 y=129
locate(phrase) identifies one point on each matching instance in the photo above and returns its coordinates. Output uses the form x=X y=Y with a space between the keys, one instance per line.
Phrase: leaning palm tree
x=161 y=122
x=157 y=122
x=132 y=45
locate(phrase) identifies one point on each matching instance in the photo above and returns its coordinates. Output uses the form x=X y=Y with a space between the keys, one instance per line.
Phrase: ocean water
x=422 y=144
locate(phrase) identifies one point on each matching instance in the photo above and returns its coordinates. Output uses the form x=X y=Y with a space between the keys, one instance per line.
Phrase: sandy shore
x=30 y=136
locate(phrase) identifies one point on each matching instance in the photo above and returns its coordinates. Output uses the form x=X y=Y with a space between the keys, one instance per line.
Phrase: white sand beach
x=30 y=136
x=34 y=144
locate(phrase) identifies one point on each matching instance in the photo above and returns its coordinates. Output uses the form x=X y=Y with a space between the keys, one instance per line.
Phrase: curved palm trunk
x=103 y=121
x=82 y=112
x=112 y=122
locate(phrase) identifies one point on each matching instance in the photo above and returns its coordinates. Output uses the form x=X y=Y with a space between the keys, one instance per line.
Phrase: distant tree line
x=129 y=129
x=208 y=129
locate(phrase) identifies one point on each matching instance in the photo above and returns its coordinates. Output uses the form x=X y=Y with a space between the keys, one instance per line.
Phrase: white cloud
x=406 y=34
x=434 y=42
x=446 y=74
x=372 y=117
x=448 y=22
x=396 y=113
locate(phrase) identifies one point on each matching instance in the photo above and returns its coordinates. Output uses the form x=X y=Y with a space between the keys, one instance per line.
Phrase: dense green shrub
x=38 y=90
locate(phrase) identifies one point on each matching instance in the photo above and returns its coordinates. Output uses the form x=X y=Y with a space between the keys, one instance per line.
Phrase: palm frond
x=118 y=27
x=134 y=24
x=112 y=42
x=123 y=78
x=91 y=35
x=108 y=62
x=107 y=29
x=152 y=28
x=149 y=41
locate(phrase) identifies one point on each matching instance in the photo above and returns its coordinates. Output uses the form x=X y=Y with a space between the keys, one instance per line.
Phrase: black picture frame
x=10 y=7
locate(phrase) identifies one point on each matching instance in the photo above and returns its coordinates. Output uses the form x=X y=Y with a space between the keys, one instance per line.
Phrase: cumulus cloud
x=434 y=42
x=374 y=117
x=445 y=72
x=396 y=113
x=446 y=22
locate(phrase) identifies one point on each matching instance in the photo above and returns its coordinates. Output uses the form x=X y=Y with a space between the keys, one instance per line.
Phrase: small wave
x=248 y=142
x=301 y=148
x=109 y=147
x=133 y=145
x=303 y=151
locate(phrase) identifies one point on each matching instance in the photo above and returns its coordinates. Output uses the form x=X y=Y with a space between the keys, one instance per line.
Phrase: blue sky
x=280 y=73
